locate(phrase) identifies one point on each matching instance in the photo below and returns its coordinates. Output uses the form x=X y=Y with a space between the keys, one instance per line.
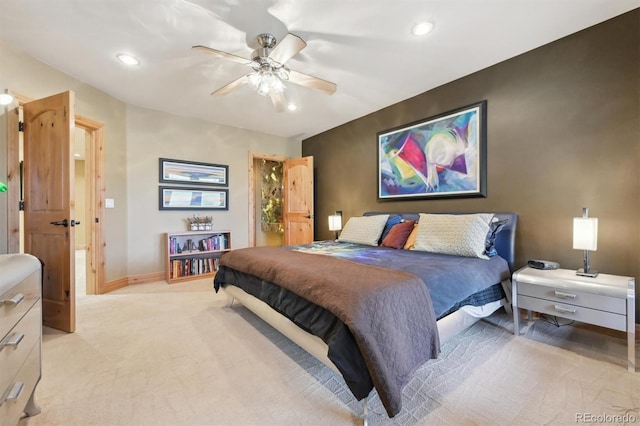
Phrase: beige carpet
x=159 y=354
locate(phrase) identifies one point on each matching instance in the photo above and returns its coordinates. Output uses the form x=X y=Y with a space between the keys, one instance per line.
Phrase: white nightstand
x=606 y=300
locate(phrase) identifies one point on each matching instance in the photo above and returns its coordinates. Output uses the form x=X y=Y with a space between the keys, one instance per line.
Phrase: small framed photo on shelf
x=193 y=172
x=180 y=198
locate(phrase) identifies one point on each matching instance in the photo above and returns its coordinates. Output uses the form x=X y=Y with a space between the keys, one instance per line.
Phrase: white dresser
x=20 y=335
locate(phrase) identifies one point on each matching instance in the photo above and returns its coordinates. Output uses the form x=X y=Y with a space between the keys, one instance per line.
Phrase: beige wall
x=134 y=140
x=563 y=133
x=152 y=135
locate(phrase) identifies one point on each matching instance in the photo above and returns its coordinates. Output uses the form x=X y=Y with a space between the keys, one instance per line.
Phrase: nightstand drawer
x=572 y=297
x=578 y=313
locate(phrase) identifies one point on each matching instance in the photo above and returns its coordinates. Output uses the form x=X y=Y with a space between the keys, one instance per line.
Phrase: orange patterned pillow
x=408 y=245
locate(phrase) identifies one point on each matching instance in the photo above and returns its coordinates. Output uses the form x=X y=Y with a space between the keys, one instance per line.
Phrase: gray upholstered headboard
x=505 y=239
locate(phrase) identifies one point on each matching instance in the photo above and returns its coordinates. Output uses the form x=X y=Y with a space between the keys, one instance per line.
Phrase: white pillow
x=459 y=235
x=363 y=229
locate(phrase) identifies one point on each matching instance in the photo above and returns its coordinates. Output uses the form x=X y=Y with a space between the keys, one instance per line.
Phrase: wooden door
x=49 y=203
x=298 y=200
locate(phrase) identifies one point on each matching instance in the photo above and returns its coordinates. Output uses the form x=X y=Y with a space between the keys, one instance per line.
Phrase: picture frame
x=193 y=172
x=443 y=156
x=185 y=198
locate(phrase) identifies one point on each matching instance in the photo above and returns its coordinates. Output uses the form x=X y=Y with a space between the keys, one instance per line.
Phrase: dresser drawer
x=578 y=313
x=579 y=298
x=12 y=357
x=15 y=302
x=28 y=375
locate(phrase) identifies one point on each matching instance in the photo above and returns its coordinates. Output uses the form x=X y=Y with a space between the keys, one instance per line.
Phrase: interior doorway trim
x=252 y=189
x=97 y=190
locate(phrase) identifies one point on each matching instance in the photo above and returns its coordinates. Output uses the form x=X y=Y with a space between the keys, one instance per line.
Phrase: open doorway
x=89 y=144
x=266 y=200
x=82 y=141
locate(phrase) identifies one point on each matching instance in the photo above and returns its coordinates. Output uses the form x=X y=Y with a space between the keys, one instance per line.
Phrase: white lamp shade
x=335 y=222
x=585 y=233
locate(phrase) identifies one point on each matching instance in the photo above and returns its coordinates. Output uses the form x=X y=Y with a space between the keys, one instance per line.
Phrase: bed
x=375 y=312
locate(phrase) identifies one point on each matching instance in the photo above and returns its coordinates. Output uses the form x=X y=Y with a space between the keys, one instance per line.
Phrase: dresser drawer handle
x=13 y=339
x=564 y=310
x=564 y=295
x=15 y=300
x=12 y=393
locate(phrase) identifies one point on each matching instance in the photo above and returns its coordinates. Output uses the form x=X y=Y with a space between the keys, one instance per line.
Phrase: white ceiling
x=364 y=46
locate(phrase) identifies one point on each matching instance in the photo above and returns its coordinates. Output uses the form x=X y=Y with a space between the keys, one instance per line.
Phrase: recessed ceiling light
x=422 y=28
x=6 y=99
x=128 y=59
x=292 y=106
x=76 y=155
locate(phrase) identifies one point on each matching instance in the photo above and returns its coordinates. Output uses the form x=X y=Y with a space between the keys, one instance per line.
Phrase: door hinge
x=21 y=126
x=21 y=205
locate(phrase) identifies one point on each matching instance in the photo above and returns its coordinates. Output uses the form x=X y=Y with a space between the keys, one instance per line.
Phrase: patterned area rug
x=552 y=374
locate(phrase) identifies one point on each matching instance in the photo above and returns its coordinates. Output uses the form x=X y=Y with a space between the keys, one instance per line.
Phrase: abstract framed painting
x=444 y=156
x=181 y=198
x=193 y=172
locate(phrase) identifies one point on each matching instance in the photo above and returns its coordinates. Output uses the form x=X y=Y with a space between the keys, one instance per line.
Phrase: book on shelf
x=212 y=243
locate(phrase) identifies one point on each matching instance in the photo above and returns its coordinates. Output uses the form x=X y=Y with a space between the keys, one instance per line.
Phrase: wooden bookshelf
x=194 y=254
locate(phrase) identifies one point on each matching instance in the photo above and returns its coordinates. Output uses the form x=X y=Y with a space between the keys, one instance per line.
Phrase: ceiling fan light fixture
x=266 y=82
x=422 y=28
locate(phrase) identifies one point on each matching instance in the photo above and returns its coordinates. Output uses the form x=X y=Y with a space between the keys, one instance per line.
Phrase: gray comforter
x=389 y=312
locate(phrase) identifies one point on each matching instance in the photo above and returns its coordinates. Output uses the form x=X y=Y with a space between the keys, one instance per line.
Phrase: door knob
x=75 y=222
x=61 y=223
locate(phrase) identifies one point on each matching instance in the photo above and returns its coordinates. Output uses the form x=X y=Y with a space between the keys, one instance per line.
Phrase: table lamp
x=335 y=222
x=585 y=237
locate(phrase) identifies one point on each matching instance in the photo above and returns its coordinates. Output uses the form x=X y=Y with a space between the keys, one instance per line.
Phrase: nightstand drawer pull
x=12 y=340
x=564 y=310
x=564 y=295
x=15 y=300
x=12 y=393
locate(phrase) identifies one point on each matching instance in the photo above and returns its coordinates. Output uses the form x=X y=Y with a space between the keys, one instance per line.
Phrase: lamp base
x=591 y=273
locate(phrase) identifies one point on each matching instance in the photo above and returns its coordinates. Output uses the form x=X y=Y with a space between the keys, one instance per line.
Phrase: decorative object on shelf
x=180 y=198
x=335 y=222
x=3 y=187
x=441 y=156
x=272 y=196
x=193 y=172
x=199 y=223
x=585 y=237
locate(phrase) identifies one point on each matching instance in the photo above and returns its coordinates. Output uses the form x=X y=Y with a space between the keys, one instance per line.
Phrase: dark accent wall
x=563 y=132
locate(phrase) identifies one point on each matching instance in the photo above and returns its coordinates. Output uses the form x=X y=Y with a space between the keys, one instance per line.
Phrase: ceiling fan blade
x=231 y=86
x=279 y=101
x=312 y=82
x=289 y=46
x=221 y=54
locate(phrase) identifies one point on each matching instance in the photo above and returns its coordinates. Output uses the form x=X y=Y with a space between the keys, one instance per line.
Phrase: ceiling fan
x=269 y=70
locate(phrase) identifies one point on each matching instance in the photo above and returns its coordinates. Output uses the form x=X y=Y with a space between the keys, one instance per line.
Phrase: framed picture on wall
x=192 y=172
x=440 y=156
x=181 y=198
